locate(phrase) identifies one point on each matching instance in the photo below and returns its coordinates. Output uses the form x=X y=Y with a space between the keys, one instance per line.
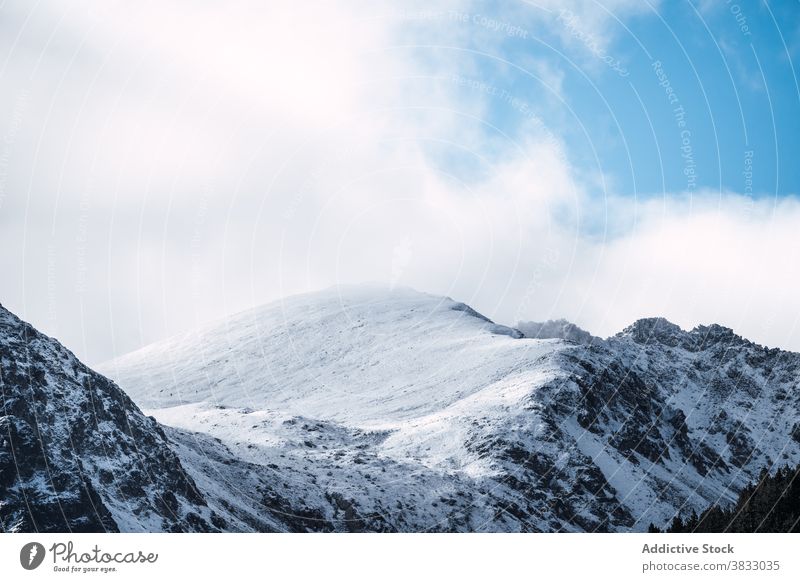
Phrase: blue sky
x=731 y=66
x=164 y=164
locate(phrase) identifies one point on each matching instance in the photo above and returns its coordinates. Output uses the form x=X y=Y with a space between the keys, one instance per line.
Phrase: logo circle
x=31 y=555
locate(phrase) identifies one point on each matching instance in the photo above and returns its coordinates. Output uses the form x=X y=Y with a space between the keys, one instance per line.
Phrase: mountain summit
x=374 y=409
x=368 y=409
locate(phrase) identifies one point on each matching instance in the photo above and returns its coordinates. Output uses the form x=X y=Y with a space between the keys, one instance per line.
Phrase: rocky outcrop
x=76 y=454
x=556 y=329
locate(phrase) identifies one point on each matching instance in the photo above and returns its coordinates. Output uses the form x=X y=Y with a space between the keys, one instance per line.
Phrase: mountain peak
x=356 y=344
x=716 y=333
x=358 y=402
x=331 y=389
x=701 y=337
x=654 y=329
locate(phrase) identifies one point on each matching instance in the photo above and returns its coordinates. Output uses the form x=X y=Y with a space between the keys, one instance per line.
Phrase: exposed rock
x=76 y=454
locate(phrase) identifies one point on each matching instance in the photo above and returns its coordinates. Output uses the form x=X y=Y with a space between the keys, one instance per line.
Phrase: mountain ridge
x=390 y=410
x=646 y=328
x=550 y=435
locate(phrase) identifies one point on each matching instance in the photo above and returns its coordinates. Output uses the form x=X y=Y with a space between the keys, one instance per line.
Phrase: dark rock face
x=76 y=455
x=652 y=423
x=654 y=329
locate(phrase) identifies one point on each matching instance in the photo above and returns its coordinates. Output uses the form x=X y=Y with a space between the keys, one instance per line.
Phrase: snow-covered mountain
x=380 y=409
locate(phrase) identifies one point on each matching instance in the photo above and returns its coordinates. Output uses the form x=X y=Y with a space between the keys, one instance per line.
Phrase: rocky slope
x=367 y=409
x=76 y=454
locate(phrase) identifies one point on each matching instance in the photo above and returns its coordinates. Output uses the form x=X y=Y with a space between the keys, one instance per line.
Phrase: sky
x=165 y=164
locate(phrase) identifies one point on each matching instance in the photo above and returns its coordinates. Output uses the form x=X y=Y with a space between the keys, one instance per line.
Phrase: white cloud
x=711 y=258
x=175 y=165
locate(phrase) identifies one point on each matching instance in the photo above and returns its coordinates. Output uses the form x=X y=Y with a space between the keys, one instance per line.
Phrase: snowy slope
x=356 y=355
x=378 y=409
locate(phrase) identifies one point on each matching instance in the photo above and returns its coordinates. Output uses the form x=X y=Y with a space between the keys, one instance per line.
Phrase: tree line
x=770 y=505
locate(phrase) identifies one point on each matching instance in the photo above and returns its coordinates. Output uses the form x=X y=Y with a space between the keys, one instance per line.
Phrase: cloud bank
x=165 y=166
